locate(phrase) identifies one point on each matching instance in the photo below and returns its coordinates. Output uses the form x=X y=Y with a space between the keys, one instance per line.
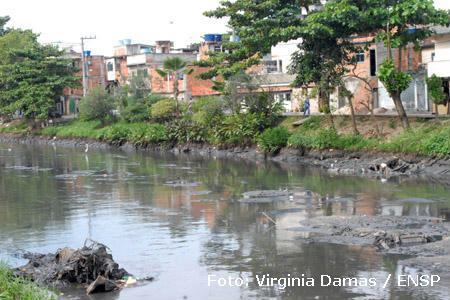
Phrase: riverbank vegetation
x=206 y=124
x=14 y=288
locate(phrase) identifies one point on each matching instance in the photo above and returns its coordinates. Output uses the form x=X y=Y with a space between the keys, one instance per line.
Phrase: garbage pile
x=91 y=266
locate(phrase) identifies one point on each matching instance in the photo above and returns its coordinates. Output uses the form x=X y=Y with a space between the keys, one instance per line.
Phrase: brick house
x=96 y=77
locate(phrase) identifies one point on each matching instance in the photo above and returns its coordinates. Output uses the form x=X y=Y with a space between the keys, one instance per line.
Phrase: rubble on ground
x=91 y=266
x=387 y=233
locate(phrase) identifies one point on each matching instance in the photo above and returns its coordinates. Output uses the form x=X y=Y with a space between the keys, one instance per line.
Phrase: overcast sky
x=142 y=21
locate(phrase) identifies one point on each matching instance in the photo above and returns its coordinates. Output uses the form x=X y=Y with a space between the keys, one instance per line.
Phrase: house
x=144 y=60
x=436 y=59
x=96 y=77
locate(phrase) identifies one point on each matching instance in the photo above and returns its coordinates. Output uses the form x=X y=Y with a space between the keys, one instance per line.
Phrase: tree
x=174 y=67
x=435 y=91
x=3 y=21
x=406 y=23
x=259 y=25
x=32 y=75
x=326 y=45
x=33 y=79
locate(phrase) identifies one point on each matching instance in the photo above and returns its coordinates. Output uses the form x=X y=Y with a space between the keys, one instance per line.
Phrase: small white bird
x=87 y=148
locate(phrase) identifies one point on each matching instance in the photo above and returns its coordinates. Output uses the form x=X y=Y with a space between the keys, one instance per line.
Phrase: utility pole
x=83 y=63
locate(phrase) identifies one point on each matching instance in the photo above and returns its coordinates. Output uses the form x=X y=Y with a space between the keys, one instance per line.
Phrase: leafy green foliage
x=394 y=80
x=164 y=110
x=174 y=67
x=97 y=105
x=118 y=133
x=435 y=89
x=140 y=134
x=238 y=129
x=186 y=131
x=32 y=76
x=273 y=139
x=134 y=109
x=13 y=287
x=145 y=134
x=207 y=111
x=259 y=25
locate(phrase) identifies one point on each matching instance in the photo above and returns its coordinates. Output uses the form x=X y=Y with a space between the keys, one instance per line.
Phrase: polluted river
x=188 y=220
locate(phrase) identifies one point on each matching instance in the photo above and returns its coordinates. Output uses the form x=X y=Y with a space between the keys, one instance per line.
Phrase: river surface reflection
x=178 y=218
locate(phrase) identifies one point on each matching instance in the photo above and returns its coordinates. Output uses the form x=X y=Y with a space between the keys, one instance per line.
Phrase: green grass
x=431 y=138
x=16 y=288
x=425 y=140
x=19 y=128
x=74 y=129
x=137 y=133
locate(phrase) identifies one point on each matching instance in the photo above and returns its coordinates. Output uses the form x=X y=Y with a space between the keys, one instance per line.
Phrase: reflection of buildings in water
x=388 y=209
x=403 y=208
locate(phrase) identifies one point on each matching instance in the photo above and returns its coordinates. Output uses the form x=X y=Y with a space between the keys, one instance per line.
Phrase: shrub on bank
x=207 y=110
x=117 y=133
x=273 y=139
x=163 y=110
x=238 y=130
x=146 y=134
x=97 y=105
x=12 y=287
x=186 y=131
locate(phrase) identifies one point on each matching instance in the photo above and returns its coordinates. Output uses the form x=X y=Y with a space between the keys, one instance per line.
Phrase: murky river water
x=177 y=218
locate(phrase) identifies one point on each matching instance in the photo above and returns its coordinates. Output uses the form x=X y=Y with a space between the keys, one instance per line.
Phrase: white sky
x=143 y=21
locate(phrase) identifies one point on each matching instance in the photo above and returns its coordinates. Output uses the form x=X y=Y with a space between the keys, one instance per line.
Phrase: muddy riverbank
x=382 y=165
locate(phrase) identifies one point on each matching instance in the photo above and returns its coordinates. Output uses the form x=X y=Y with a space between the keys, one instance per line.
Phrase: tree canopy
x=32 y=75
x=325 y=35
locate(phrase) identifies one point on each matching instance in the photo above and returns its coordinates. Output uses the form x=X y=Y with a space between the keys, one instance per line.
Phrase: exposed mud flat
x=425 y=238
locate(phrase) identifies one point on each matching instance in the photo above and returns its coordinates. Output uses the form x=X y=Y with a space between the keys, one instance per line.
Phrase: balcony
x=439 y=68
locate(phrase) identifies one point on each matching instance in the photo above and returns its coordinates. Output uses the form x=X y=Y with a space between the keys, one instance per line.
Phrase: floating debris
x=265 y=196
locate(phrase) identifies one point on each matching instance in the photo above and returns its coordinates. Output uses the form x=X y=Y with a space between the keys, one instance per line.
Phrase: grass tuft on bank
x=428 y=137
x=16 y=288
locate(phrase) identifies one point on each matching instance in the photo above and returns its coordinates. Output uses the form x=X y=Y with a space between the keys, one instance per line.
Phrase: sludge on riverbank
x=91 y=266
x=343 y=162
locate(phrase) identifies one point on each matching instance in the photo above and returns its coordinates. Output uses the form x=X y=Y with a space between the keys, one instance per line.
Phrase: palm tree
x=174 y=66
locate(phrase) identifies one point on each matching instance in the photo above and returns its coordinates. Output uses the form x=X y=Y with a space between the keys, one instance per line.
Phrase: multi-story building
x=96 y=77
x=144 y=60
x=436 y=59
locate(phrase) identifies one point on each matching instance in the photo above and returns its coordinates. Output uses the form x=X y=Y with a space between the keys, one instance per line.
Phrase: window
x=360 y=57
x=110 y=67
x=271 y=66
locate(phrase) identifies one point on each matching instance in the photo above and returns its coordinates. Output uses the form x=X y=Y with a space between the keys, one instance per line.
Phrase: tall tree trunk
x=401 y=110
x=352 y=111
x=324 y=101
x=436 y=108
